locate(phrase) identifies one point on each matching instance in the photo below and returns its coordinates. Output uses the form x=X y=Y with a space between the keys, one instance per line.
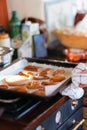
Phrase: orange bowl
x=71 y=40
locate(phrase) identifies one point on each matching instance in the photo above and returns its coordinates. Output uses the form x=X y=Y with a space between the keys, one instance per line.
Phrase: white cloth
x=73 y=90
x=82 y=25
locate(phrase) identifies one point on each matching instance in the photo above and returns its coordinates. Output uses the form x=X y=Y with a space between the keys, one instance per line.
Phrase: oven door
x=74 y=122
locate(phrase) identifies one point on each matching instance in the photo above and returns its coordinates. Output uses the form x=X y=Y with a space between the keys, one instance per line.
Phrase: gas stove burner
x=18 y=107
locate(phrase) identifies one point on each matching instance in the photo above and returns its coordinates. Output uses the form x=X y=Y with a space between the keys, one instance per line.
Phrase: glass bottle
x=15 y=33
x=14 y=25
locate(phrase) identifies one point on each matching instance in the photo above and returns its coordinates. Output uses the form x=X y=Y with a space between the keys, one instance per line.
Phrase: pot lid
x=4 y=50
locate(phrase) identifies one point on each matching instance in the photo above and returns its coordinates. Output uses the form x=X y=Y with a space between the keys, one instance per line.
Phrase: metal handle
x=79 y=124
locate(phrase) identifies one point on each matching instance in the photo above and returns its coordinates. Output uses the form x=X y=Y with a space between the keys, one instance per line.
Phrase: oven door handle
x=77 y=125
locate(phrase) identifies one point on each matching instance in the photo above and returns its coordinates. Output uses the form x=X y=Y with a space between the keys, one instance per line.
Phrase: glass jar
x=5 y=40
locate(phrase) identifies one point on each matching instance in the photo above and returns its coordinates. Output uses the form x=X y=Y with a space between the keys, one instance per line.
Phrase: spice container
x=4 y=40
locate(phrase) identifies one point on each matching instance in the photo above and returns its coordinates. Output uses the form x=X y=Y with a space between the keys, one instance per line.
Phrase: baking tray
x=18 y=65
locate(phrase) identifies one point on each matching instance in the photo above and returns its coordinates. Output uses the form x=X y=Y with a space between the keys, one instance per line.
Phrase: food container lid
x=4 y=50
x=4 y=35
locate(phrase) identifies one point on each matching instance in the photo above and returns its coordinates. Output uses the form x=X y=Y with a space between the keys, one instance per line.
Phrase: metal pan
x=19 y=64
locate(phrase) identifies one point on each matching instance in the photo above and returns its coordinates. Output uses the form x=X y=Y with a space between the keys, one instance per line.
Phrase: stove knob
x=74 y=104
x=58 y=117
x=40 y=128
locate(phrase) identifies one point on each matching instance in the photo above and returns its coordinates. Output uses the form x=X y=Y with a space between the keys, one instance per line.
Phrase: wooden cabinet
x=3 y=14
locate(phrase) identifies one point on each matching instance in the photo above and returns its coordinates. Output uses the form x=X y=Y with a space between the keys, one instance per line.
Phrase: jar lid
x=4 y=35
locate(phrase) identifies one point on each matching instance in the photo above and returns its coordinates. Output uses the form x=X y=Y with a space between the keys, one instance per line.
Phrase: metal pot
x=5 y=55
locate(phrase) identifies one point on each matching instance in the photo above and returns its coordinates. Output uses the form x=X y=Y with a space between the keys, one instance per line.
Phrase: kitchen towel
x=79 y=80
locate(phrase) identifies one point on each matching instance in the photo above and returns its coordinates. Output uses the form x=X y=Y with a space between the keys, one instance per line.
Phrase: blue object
x=40 y=49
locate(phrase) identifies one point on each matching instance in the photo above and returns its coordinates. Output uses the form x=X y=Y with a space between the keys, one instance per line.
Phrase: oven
x=67 y=116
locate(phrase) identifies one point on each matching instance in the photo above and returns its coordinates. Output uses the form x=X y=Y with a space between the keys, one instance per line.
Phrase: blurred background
x=60 y=15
